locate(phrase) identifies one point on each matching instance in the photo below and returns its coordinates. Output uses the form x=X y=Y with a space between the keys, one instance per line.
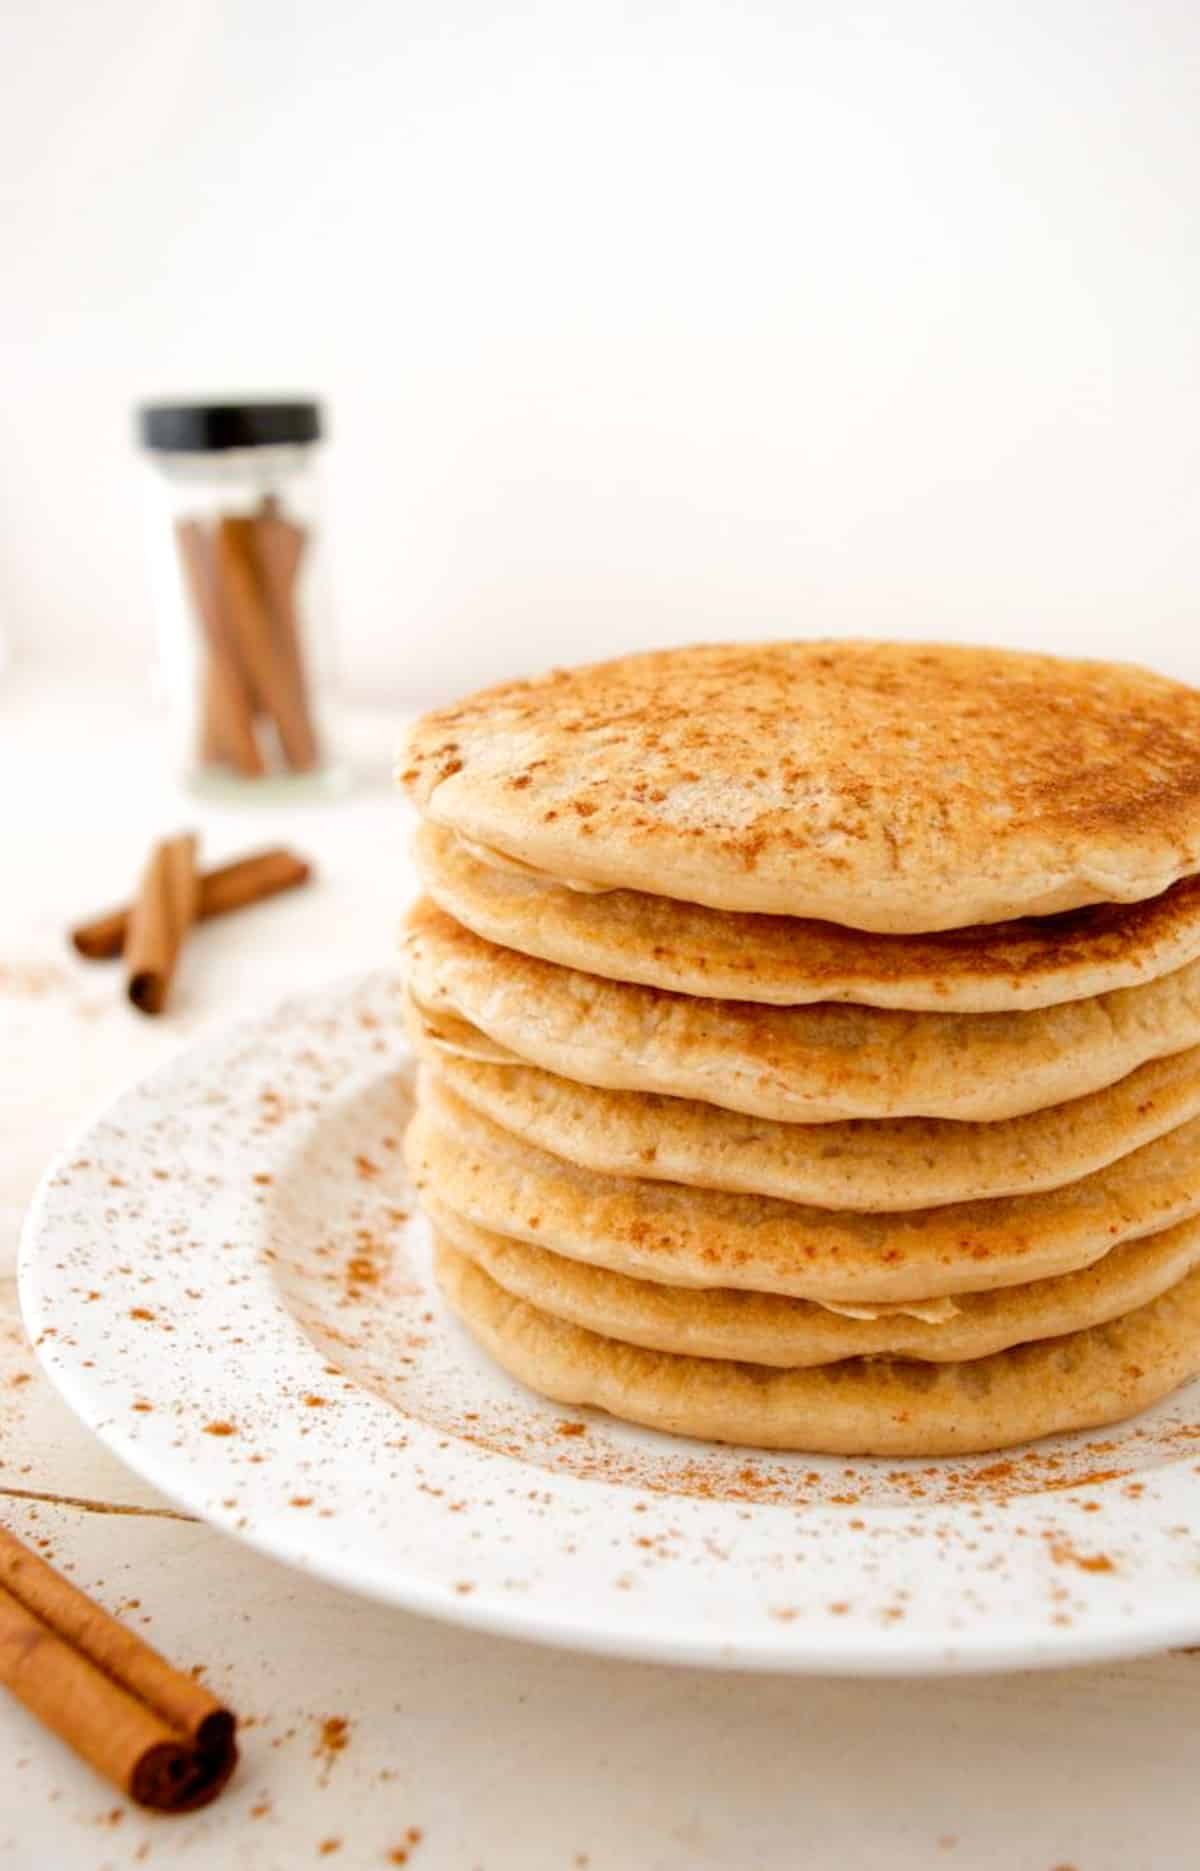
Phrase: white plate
x=225 y=1278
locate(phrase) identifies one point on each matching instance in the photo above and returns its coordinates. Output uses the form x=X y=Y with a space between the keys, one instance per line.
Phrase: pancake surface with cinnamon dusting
x=894 y=787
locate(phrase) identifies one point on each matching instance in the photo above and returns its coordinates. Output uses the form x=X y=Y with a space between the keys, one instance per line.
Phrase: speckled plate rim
x=955 y=1587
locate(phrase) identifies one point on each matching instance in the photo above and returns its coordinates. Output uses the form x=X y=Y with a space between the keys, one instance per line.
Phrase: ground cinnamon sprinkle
x=1064 y=1554
x=30 y=980
x=334 y=1737
x=1092 y=1479
x=781 y=1482
x=220 y=1429
x=995 y=1471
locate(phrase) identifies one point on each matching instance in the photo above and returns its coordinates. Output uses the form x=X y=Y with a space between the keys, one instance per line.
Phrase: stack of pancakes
x=811 y=1039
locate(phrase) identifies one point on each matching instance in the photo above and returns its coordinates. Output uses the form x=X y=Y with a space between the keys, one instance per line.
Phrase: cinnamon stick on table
x=229 y=887
x=154 y=1732
x=159 y=920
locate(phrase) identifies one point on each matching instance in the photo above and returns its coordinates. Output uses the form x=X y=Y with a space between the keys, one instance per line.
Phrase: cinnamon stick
x=278 y=547
x=159 y=920
x=227 y=734
x=272 y=673
x=218 y=748
x=158 y=1735
x=229 y=887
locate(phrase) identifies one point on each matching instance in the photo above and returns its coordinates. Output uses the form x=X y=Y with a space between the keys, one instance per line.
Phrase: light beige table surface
x=461 y=1750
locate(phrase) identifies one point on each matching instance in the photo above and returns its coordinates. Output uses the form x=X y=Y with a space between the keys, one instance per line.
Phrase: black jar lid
x=202 y=428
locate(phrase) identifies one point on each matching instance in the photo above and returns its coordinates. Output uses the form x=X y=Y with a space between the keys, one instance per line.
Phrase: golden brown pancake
x=895 y=787
x=766 y=1328
x=896 y=1407
x=629 y=935
x=703 y=1237
x=868 y=1164
x=815 y=1064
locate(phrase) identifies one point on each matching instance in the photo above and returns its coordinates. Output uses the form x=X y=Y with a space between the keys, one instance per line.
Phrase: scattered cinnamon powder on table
x=30 y=980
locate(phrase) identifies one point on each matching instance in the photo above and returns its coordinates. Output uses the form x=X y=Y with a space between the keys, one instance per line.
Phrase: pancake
x=815 y=1064
x=704 y=1237
x=896 y=1407
x=629 y=935
x=872 y=1164
x=763 y=1328
x=894 y=787
x=869 y=1164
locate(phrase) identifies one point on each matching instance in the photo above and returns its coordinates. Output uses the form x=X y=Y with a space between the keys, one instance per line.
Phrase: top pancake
x=892 y=787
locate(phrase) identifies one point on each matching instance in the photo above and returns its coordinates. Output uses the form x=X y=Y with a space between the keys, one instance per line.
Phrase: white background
x=637 y=322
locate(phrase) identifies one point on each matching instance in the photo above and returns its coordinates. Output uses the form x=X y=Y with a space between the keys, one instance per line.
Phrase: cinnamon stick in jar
x=158 y=1735
x=225 y=699
x=162 y=914
x=278 y=550
x=264 y=634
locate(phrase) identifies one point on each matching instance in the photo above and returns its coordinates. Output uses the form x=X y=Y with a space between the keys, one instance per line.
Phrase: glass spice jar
x=235 y=548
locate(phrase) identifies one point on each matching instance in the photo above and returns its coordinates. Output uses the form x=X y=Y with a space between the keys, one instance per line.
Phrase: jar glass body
x=245 y=642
